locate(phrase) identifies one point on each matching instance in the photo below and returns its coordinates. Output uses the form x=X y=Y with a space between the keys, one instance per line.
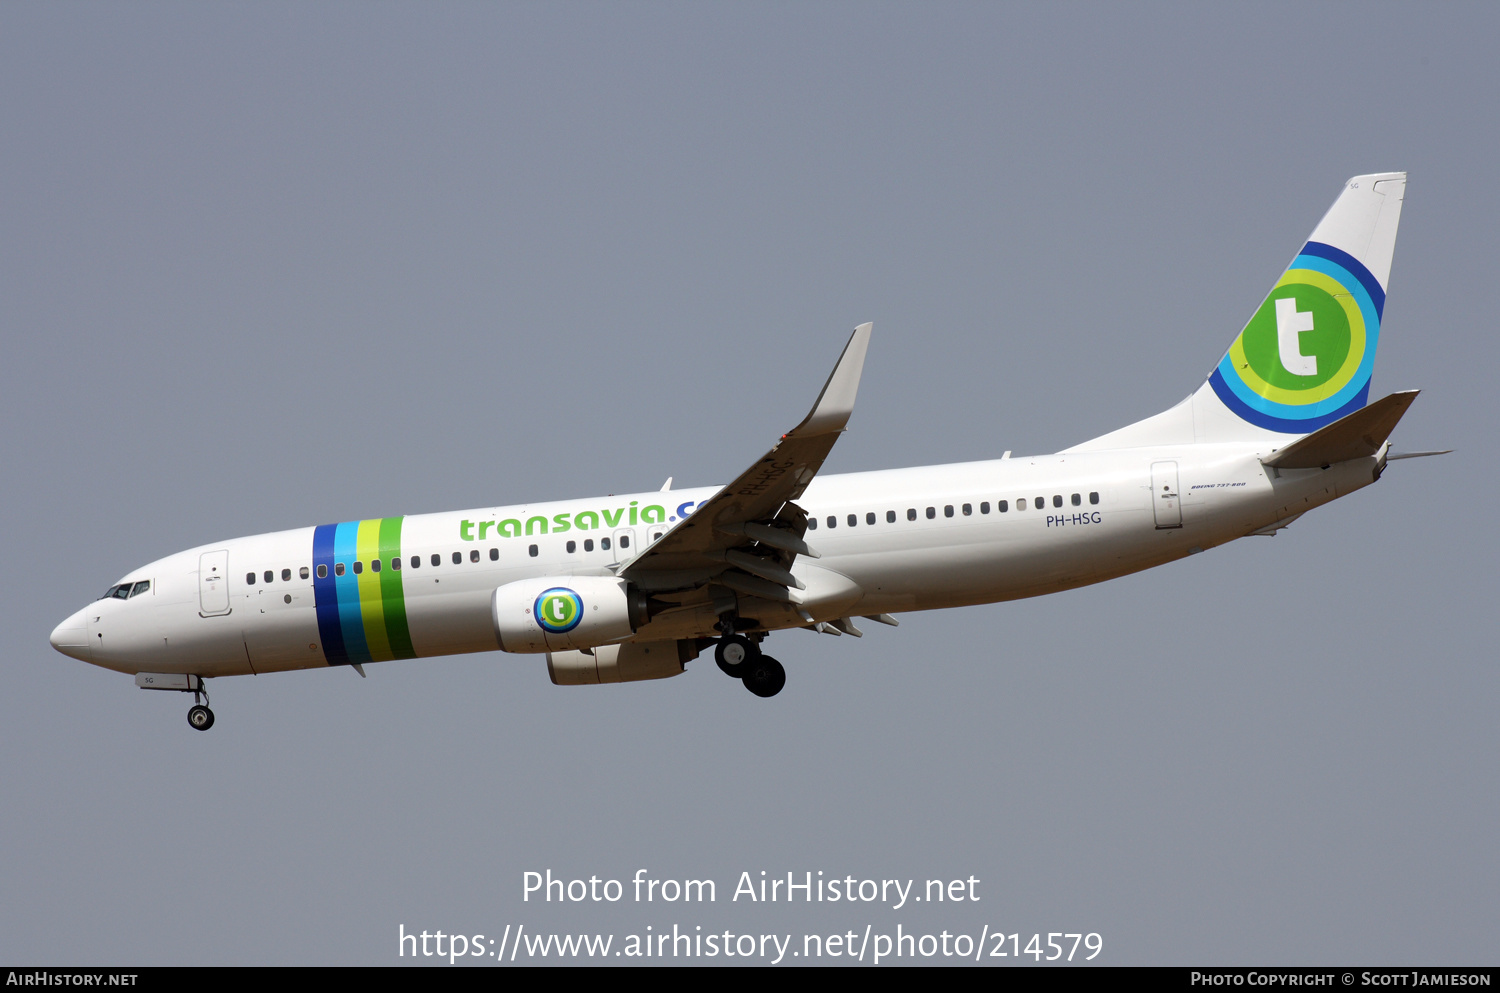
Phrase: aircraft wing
x=746 y=535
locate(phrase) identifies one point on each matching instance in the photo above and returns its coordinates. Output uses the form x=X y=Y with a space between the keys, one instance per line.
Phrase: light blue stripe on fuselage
x=350 y=621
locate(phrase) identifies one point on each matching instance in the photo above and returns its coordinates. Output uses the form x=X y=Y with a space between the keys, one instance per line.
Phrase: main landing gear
x=740 y=658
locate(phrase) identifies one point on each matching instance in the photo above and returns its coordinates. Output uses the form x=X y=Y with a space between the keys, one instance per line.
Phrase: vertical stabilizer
x=1305 y=358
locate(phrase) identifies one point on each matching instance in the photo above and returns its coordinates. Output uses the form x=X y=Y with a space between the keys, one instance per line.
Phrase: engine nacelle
x=620 y=663
x=555 y=613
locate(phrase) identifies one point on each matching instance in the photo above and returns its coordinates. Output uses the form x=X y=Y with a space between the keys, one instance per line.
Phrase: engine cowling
x=620 y=663
x=557 y=613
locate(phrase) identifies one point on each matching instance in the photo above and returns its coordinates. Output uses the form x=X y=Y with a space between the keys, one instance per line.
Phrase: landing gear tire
x=764 y=676
x=201 y=718
x=733 y=653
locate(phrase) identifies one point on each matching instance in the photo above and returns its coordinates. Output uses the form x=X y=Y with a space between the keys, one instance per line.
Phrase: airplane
x=633 y=587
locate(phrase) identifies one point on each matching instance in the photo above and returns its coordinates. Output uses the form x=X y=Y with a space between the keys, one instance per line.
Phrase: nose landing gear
x=200 y=718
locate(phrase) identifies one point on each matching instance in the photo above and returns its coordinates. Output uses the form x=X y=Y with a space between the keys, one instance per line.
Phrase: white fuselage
x=921 y=538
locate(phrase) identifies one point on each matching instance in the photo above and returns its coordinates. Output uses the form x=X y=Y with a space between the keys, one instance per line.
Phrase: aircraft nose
x=71 y=637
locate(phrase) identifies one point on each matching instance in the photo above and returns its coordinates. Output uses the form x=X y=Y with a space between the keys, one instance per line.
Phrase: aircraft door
x=624 y=545
x=1166 y=502
x=213 y=583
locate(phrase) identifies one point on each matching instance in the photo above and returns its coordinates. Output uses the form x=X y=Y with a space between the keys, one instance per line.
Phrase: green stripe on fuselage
x=393 y=596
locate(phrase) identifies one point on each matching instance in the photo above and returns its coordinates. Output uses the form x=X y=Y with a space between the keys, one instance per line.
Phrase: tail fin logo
x=1305 y=358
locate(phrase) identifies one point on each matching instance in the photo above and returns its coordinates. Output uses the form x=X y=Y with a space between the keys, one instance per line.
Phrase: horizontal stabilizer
x=1355 y=436
x=1395 y=456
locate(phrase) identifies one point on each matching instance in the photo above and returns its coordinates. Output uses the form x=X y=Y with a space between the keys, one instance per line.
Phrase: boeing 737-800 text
x=613 y=589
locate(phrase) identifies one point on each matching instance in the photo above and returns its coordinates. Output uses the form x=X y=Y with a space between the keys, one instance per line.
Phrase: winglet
x=836 y=402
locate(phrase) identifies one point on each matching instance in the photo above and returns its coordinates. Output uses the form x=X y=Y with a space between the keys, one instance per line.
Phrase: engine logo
x=558 y=610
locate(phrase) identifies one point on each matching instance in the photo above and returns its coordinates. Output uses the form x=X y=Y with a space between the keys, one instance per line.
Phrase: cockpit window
x=122 y=591
x=140 y=587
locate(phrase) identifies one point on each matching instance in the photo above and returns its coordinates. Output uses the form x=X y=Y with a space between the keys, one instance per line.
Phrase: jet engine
x=557 y=613
x=621 y=663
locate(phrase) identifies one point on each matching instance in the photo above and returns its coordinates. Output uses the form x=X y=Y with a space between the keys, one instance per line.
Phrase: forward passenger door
x=213 y=583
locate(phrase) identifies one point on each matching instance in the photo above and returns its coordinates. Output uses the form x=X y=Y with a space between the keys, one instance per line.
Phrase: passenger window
x=286 y=575
x=359 y=567
x=437 y=559
x=853 y=520
x=624 y=541
x=890 y=517
x=416 y=561
x=474 y=555
x=374 y=565
x=870 y=517
x=911 y=513
x=572 y=547
x=323 y=571
x=302 y=572
x=458 y=558
x=269 y=575
x=1040 y=503
x=249 y=581
x=1021 y=504
x=494 y=555
x=931 y=513
x=1077 y=500
x=984 y=508
x=588 y=544
x=533 y=550
x=948 y=510
x=1057 y=499
x=833 y=522
x=140 y=587
x=812 y=524
x=396 y=562
x=338 y=568
x=968 y=510
x=1002 y=505
x=603 y=545
x=1094 y=497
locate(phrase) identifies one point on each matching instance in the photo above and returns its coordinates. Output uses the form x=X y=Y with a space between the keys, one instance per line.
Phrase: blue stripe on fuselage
x=325 y=596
